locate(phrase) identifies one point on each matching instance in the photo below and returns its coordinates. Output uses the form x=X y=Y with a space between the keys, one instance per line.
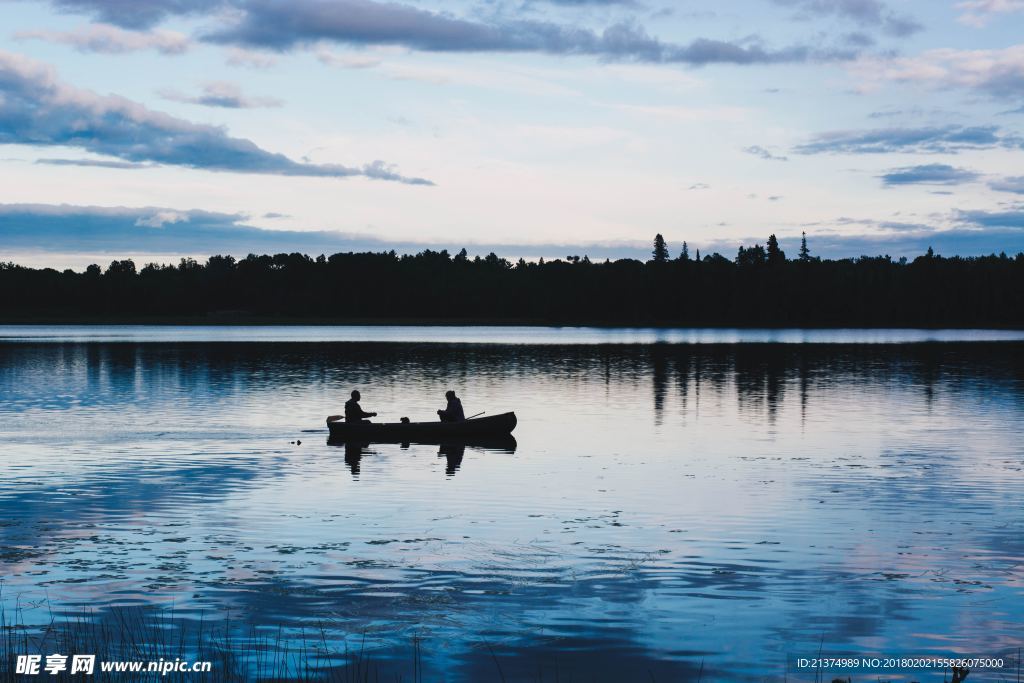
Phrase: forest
x=760 y=286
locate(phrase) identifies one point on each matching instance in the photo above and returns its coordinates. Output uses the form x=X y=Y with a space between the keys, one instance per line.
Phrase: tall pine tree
x=775 y=254
x=660 y=249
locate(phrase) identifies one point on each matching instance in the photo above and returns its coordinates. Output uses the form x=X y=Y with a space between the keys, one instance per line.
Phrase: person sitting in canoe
x=354 y=412
x=453 y=412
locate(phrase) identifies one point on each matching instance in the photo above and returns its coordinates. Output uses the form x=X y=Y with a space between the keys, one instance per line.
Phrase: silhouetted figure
x=353 y=411
x=453 y=412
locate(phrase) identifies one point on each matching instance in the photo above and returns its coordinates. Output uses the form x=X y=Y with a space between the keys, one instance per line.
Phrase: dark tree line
x=759 y=287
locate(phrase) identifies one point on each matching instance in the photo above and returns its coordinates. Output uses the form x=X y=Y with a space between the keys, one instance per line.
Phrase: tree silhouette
x=930 y=290
x=751 y=256
x=775 y=254
x=805 y=253
x=685 y=255
x=660 y=252
x=124 y=268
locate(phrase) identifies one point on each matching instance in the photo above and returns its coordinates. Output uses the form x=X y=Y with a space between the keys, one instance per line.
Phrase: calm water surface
x=667 y=507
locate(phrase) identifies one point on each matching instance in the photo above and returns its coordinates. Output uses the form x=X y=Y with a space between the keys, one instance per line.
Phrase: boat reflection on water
x=354 y=453
x=453 y=453
x=453 y=450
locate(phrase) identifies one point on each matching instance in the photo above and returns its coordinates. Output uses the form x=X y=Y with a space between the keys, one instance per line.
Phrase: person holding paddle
x=453 y=412
x=353 y=411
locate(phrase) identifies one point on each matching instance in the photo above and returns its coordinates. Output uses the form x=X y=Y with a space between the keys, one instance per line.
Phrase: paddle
x=477 y=415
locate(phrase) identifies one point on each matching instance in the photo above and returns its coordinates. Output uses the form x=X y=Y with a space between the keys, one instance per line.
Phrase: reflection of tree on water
x=805 y=385
x=929 y=373
x=156 y=377
x=683 y=379
x=775 y=370
x=760 y=381
x=659 y=379
x=758 y=375
x=755 y=376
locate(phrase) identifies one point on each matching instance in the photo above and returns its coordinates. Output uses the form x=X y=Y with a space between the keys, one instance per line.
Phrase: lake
x=679 y=504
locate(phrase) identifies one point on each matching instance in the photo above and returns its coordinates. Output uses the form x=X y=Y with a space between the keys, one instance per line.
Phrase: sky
x=159 y=129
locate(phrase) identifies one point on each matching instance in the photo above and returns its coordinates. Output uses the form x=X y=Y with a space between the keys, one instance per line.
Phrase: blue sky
x=156 y=129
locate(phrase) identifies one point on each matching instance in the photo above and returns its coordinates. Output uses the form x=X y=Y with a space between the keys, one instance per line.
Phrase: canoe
x=399 y=432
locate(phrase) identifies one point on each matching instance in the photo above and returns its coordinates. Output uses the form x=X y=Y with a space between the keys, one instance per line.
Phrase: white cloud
x=250 y=59
x=978 y=13
x=222 y=94
x=161 y=218
x=107 y=39
x=38 y=109
x=346 y=60
x=997 y=72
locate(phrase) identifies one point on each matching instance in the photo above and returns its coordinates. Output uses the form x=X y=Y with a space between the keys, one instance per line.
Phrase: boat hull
x=494 y=426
